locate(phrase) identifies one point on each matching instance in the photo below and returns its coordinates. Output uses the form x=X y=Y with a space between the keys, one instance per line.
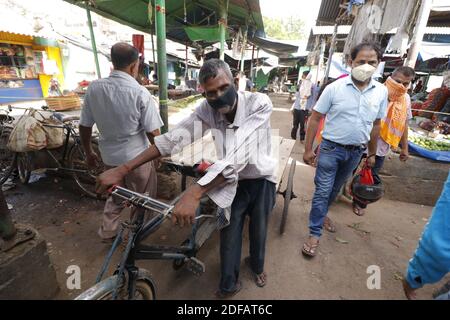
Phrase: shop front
x=27 y=65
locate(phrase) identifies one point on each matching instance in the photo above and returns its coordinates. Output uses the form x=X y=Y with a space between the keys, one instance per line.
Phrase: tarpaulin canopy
x=179 y=15
x=291 y=62
x=430 y=50
x=274 y=47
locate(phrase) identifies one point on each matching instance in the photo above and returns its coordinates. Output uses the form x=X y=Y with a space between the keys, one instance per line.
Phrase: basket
x=71 y=102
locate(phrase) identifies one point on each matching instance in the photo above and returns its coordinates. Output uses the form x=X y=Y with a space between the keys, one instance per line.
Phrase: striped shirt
x=243 y=147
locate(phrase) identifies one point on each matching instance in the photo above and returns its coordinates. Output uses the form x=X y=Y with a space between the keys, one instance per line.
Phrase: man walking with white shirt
x=127 y=119
x=300 y=106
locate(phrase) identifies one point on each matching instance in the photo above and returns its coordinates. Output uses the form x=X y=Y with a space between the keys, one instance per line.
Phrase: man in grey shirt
x=127 y=119
x=242 y=181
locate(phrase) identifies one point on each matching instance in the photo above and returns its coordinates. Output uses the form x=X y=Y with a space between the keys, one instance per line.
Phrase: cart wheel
x=288 y=195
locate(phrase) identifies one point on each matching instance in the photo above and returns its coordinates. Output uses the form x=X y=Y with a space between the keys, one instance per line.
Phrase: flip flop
x=358 y=211
x=329 y=225
x=260 y=279
x=309 y=249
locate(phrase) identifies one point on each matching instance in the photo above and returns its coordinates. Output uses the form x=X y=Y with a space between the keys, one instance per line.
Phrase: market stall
x=19 y=73
x=429 y=134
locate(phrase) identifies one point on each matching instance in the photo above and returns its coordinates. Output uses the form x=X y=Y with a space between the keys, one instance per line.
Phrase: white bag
x=30 y=134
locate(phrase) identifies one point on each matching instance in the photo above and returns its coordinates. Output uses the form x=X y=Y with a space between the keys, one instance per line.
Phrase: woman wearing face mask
x=394 y=128
x=353 y=107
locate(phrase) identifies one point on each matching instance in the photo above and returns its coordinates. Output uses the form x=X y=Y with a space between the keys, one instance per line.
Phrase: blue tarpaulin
x=443 y=156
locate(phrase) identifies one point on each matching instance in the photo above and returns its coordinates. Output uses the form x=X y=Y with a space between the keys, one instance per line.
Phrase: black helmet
x=367 y=193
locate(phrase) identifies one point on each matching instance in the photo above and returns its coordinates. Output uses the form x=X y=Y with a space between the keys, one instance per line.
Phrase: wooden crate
x=71 y=102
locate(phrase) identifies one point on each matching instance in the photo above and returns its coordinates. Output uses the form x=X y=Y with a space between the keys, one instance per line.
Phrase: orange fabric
x=318 y=137
x=393 y=126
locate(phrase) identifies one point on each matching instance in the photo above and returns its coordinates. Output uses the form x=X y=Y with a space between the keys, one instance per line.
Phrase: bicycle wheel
x=24 y=167
x=7 y=157
x=288 y=196
x=85 y=180
x=145 y=289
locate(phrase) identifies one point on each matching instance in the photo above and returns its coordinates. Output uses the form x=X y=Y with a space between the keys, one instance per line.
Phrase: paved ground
x=390 y=233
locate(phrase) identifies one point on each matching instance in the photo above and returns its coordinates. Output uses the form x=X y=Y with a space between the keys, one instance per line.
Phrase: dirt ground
x=386 y=237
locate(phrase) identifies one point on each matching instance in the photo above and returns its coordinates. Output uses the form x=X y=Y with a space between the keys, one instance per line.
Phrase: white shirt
x=123 y=111
x=243 y=153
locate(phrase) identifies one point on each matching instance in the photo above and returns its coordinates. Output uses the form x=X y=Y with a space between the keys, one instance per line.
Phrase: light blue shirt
x=349 y=112
x=431 y=261
x=123 y=111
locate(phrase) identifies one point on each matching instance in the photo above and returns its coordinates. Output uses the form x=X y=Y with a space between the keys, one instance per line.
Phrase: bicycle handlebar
x=146 y=202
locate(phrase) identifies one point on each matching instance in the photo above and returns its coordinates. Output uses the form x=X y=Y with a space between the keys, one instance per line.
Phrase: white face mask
x=363 y=72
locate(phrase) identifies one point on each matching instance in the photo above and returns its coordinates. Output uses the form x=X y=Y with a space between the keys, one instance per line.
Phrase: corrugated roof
x=317 y=30
x=327 y=30
x=328 y=12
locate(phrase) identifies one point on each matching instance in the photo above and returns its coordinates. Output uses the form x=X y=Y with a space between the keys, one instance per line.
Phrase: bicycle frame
x=69 y=131
x=135 y=250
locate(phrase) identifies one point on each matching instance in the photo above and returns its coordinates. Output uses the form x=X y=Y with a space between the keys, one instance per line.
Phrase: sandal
x=357 y=210
x=225 y=295
x=260 y=279
x=309 y=249
x=329 y=225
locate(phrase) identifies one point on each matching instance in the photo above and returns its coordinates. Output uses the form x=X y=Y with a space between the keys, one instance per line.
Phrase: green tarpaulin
x=207 y=34
x=179 y=14
x=262 y=79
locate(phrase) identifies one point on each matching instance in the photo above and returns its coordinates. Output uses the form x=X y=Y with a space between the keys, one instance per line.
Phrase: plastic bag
x=366 y=176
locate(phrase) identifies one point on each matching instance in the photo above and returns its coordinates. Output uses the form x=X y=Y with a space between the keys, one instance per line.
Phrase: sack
x=55 y=135
x=31 y=134
x=27 y=135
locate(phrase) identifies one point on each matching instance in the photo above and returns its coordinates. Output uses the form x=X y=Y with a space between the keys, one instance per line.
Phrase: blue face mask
x=227 y=99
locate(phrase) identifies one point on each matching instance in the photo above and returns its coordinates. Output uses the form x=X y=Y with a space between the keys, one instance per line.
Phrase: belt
x=348 y=146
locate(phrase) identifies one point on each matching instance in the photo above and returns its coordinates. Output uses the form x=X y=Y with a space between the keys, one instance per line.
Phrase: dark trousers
x=379 y=161
x=299 y=119
x=255 y=198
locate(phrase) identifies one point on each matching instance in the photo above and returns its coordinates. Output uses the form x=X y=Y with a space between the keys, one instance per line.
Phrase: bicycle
x=73 y=159
x=129 y=281
x=7 y=158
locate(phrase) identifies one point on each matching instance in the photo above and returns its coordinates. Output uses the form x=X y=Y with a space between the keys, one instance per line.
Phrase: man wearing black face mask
x=241 y=182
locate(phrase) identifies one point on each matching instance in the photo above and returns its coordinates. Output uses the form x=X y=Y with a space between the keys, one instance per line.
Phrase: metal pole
x=153 y=43
x=186 y=76
x=330 y=53
x=319 y=65
x=94 y=45
x=244 y=46
x=419 y=31
x=162 y=61
x=7 y=228
x=223 y=13
x=153 y=52
x=251 y=64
